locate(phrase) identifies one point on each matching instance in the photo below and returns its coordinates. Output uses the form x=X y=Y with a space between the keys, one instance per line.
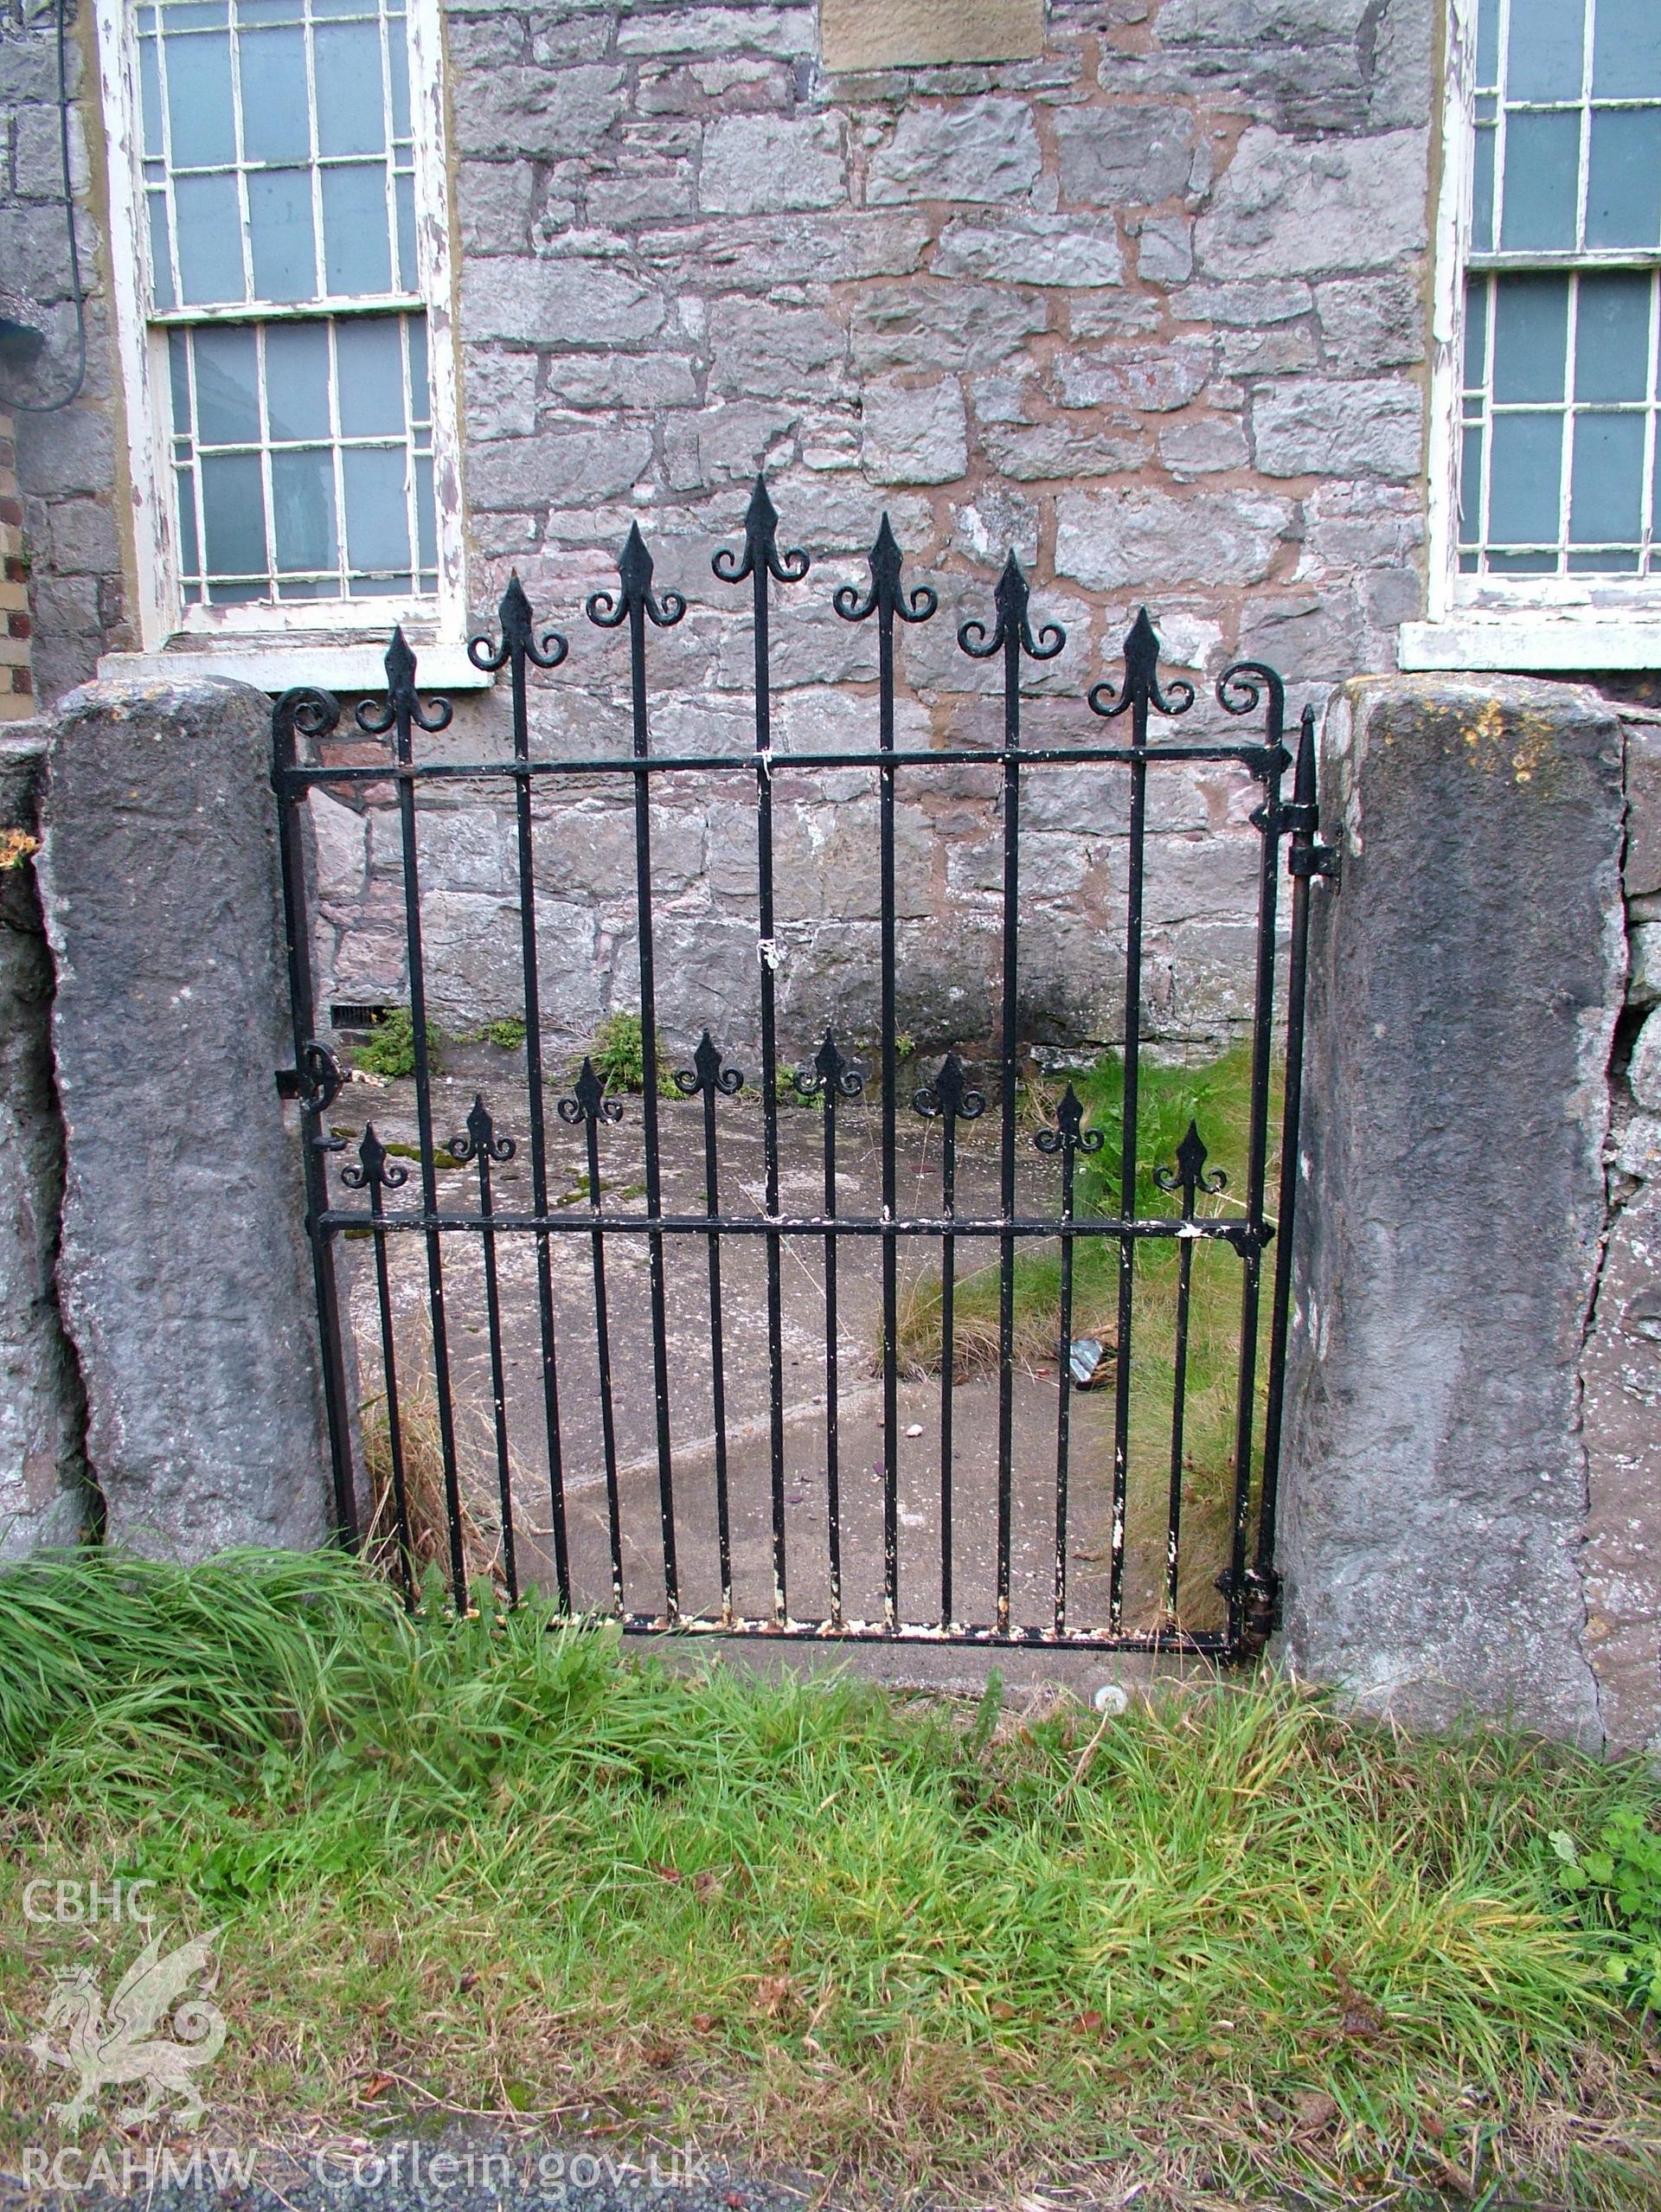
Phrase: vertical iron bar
x=649 y=1059
x=707 y=1076
x=317 y=713
x=948 y=1354
x=482 y=1144
x=1127 y=1156
x=603 y=1355
x=890 y=1165
x=404 y=708
x=768 y=954
x=1179 y=1410
x=1064 y=1394
x=1269 y=822
x=519 y=646
x=1009 y=1047
x=389 y=1364
x=832 y=1461
x=1306 y=859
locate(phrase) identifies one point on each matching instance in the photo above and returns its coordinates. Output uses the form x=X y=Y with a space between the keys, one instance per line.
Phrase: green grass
x=1227 y=1949
x=389 y=1049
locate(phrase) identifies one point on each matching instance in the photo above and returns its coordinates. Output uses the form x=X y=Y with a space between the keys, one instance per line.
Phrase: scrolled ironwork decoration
x=1241 y=686
x=479 y=1141
x=886 y=596
x=707 y=1074
x=304 y=710
x=1011 y=624
x=760 y=551
x=948 y=1097
x=830 y=1076
x=519 y=640
x=1141 y=688
x=376 y=1169
x=403 y=710
x=589 y=1101
x=322 y=1078
x=610 y=610
x=1189 y=1175
x=1069 y=1135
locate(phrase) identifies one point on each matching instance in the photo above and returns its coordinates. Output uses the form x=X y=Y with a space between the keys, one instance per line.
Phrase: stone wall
x=1148 y=307
x=16 y=660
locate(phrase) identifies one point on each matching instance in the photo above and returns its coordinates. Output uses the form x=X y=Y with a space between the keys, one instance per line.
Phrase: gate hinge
x=1312 y=859
x=1259 y=1592
x=316 y=1083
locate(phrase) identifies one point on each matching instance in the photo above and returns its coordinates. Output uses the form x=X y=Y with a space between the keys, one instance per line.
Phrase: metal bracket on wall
x=316 y=1083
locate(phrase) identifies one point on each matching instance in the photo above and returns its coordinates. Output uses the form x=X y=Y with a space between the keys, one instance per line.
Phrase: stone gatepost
x=182 y=1274
x=1464 y=985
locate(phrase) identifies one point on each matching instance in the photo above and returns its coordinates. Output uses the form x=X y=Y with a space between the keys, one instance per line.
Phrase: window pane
x=303 y=509
x=1476 y=333
x=1488 y=43
x=161 y=255
x=356 y=247
x=1626 y=51
x=398 y=70
x=404 y=194
x=1530 y=338
x=178 y=375
x=149 y=93
x=210 y=227
x=201 y=126
x=227 y=388
x=1471 y=487
x=1623 y=196
x=370 y=356
x=1612 y=337
x=1526 y=461
x=421 y=399
x=350 y=110
x=279 y=224
x=1544 y=60
x=1542 y=155
x=1606 y=483
x=1482 y=192
x=234 y=515
x=377 y=515
x=296 y=380
x=426 y=528
x=275 y=123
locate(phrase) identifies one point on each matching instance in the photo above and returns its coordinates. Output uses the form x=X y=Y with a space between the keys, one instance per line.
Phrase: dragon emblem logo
x=125 y=2047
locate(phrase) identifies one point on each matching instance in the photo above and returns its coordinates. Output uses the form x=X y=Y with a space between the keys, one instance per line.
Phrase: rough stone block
x=1286 y=207
x=1372 y=323
x=42 y=1468
x=1111 y=540
x=715 y=30
x=1061 y=452
x=554 y=302
x=565 y=460
x=915 y=435
x=757 y=165
x=1643 y=870
x=1314 y=428
x=1155 y=378
x=493 y=200
x=1466 y=979
x=536 y=114
x=912 y=33
x=1202 y=445
x=1644 y=981
x=1125 y=156
x=1164 y=254
x=942 y=326
x=776 y=352
x=184 y=1273
x=983 y=150
x=1032 y=250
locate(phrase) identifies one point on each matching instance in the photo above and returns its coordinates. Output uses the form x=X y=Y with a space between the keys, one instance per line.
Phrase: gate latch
x=316 y=1083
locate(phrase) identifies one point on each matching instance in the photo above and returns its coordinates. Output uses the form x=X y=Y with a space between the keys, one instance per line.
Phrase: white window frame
x=272 y=643
x=1479 y=622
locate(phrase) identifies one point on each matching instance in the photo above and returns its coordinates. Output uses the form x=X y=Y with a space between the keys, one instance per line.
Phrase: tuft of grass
x=389 y=1049
x=618 y=1052
x=1229 y=1948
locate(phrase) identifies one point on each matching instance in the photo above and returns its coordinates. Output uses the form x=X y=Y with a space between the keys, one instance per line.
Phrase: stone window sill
x=274 y=667
x=1528 y=639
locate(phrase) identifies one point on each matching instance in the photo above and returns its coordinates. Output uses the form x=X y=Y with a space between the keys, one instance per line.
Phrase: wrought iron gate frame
x=305 y=715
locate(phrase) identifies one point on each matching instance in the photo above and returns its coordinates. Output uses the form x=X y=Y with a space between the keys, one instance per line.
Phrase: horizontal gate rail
x=305 y=720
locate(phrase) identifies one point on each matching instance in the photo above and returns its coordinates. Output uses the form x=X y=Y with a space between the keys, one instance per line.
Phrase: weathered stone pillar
x=182 y=1273
x=42 y=1498
x=1465 y=984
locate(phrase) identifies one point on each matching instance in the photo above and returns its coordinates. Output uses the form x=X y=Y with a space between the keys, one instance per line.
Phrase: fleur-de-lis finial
x=1189 y=1176
x=1140 y=689
x=479 y=1141
x=589 y=1101
x=760 y=553
x=1012 y=627
x=707 y=1074
x=519 y=642
x=634 y=571
x=948 y=1097
x=1069 y=1135
x=403 y=710
x=886 y=597
x=374 y=1169
x=830 y=1076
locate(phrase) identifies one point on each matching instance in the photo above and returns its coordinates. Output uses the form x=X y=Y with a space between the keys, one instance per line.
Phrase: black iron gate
x=357 y=1187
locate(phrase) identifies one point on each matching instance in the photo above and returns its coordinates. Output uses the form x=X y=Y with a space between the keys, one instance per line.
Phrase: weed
x=1616 y=1887
x=508 y=1034
x=617 y=1051
x=1245 y=1951
x=389 y=1049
